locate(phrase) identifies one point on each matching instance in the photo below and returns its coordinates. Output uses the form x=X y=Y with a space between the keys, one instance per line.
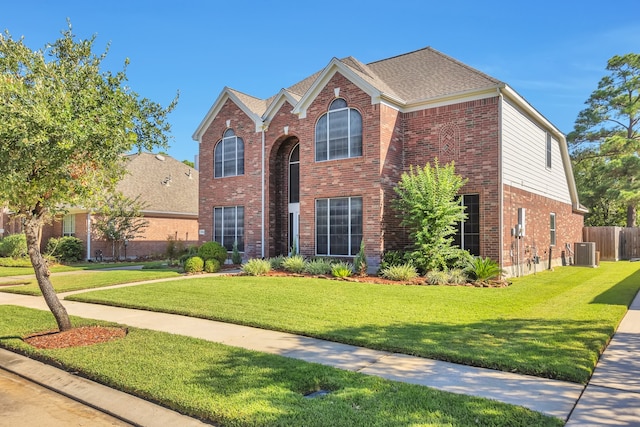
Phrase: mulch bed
x=76 y=337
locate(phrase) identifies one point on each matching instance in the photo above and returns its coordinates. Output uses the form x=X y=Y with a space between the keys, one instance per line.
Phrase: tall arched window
x=228 y=156
x=339 y=133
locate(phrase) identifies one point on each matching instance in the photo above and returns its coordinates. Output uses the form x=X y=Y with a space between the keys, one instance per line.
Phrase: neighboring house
x=316 y=164
x=168 y=189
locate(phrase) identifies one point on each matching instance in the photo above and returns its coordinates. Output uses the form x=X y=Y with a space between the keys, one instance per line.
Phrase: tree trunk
x=631 y=216
x=33 y=230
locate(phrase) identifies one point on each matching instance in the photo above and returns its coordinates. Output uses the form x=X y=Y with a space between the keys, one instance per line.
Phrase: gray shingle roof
x=163 y=183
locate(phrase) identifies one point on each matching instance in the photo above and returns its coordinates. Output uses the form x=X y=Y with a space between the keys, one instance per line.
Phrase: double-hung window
x=548 y=151
x=468 y=232
x=339 y=133
x=69 y=225
x=228 y=226
x=229 y=156
x=552 y=229
x=338 y=226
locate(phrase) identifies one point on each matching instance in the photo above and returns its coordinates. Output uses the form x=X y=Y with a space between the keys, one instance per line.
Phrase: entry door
x=294 y=199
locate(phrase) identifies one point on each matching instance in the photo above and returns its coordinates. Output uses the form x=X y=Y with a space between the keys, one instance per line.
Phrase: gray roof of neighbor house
x=165 y=185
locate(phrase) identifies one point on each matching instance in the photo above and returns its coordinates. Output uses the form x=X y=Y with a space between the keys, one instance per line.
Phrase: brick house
x=169 y=191
x=316 y=164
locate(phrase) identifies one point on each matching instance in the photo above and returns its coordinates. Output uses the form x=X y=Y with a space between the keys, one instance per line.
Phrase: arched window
x=339 y=133
x=228 y=156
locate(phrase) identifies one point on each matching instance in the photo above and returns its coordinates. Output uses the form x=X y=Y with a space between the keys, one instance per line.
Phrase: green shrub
x=213 y=250
x=211 y=266
x=66 y=249
x=195 y=264
x=14 y=246
x=294 y=264
x=276 y=262
x=15 y=262
x=391 y=258
x=400 y=272
x=360 y=261
x=342 y=269
x=457 y=277
x=437 y=277
x=318 y=266
x=256 y=267
x=236 y=257
x=483 y=269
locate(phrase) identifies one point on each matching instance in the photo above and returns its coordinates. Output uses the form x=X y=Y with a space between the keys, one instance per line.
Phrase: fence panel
x=607 y=240
x=629 y=243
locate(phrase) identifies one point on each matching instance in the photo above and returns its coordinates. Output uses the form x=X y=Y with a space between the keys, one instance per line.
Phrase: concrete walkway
x=612 y=397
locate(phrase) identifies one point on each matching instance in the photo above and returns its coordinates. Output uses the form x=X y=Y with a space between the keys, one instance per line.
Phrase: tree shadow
x=622 y=293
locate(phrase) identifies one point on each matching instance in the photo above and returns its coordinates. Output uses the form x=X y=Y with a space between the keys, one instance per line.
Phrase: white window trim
x=349 y=156
x=553 y=230
x=235 y=228
x=69 y=225
x=328 y=254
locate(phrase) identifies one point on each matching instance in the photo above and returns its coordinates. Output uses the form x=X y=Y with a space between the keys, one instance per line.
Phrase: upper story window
x=339 y=133
x=548 y=150
x=229 y=156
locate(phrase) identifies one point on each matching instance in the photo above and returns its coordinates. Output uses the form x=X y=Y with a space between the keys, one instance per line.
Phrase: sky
x=553 y=53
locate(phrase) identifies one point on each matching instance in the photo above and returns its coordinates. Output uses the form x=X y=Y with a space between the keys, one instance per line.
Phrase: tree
x=430 y=207
x=608 y=129
x=118 y=220
x=65 y=125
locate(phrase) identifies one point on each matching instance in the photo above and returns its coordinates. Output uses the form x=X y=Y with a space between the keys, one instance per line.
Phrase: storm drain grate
x=318 y=393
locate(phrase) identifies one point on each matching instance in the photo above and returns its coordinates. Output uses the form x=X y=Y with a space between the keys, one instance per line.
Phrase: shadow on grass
x=622 y=293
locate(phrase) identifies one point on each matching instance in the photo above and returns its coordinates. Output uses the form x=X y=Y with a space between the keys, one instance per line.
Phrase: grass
x=553 y=324
x=89 y=280
x=236 y=387
x=25 y=269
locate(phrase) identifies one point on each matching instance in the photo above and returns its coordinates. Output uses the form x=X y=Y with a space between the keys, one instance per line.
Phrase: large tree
x=65 y=124
x=606 y=138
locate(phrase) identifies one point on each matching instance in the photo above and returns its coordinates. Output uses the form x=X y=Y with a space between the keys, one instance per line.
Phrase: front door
x=294 y=200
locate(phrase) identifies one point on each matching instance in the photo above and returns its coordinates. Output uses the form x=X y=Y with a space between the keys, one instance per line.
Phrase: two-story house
x=316 y=164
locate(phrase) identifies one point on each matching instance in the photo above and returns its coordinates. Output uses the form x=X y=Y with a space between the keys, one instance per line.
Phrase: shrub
x=360 y=261
x=483 y=269
x=457 y=277
x=276 y=262
x=15 y=262
x=437 y=277
x=195 y=264
x=175 y=248
x=391 y=258
x=294 y=264
x=211 y=266
x=14 y=246
x=213 y=250
x=256 y=267
x=318 y=266
x=67 y=248
x=342 y=269
x=400 y=272
x=236 y=257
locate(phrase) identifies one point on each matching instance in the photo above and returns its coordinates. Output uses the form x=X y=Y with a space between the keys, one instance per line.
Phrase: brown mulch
x=76 y=337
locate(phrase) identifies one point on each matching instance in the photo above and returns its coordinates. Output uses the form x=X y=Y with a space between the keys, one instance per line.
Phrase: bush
x=390 y=259
x=256 y=267
x=15 y=262
x=342 y=270
x=318 y=266
x=195 y=264
x=483 y=269
x=66 y=249
x=213 y=250
x=236 y=257
x=457 y=277
x=294 y=264
x=276 y=262
x=400 y=272
x=211 y=266
x=360 y=261
x=437 y=277
x=175 y=248
x=14 y=246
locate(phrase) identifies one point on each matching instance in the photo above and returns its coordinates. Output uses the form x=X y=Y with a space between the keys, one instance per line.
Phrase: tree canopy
x=66 y=123
x=605 y=143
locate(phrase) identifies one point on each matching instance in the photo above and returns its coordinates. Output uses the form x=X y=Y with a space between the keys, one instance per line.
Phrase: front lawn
x=236 y=387
x=90 y=279
x=553 y=324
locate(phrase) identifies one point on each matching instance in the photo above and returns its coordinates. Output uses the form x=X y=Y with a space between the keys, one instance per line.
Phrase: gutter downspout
x=262 y=233
x=500 y=184
x=88 y=236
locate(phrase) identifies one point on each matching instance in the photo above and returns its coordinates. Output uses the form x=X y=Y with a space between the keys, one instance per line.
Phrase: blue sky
x=553 y=53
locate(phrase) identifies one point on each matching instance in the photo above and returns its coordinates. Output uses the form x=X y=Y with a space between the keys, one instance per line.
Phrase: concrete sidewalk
x=551 y=397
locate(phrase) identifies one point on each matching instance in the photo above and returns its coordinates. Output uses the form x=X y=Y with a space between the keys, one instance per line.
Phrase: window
x=69 y=225
x=294 y=175
x=549 y=151
x=228 y=226
x=468 y=233
x=229 y=156
x=338 y=226
x=339 y=133
x=552 y=229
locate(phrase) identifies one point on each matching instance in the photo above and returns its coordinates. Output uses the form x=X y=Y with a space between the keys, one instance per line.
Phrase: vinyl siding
x=524 y=157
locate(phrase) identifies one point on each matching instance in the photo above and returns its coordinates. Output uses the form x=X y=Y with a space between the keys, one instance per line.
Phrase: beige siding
x=524 y=157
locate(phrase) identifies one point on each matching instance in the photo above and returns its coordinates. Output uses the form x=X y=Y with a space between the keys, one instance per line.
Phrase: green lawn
x=25 y=269
x=90 y=279
x=236 y=387
x=553 y=324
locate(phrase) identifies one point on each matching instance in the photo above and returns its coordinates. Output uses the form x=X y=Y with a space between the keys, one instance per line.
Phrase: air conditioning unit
x=585 y=254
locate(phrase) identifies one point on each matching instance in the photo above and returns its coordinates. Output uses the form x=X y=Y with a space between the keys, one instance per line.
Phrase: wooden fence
x=614 y=243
